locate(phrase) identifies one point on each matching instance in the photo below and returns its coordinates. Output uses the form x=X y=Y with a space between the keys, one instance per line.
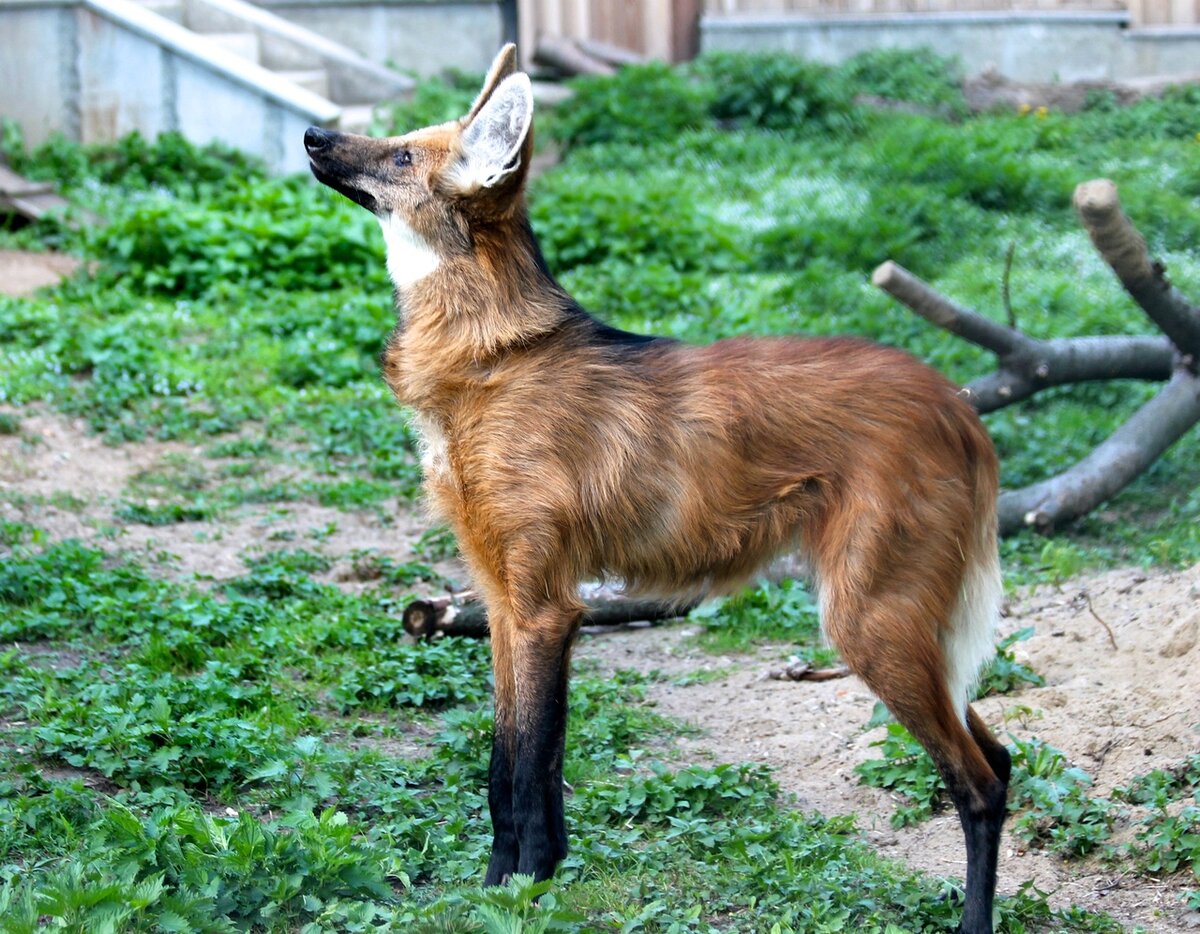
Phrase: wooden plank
x=12 y=184
x=34 y=206
x=685 y=29
x=656 y=29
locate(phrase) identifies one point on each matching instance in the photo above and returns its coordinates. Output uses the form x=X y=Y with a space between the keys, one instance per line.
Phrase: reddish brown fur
x=680 y=470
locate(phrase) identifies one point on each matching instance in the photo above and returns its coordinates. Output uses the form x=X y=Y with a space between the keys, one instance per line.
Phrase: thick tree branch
x=1112 y=465
x=937 y=309
x=1026 y=364
x=1125 y=251
x=1070 y=360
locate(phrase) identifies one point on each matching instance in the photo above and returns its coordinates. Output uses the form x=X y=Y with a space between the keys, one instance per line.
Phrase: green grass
x=267 y=753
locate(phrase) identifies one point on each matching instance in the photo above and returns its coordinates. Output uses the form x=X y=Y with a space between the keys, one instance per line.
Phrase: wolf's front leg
x=531 y=661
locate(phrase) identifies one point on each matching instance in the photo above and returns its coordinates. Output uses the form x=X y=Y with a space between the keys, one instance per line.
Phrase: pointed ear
x=503 y=65
x=493 y=140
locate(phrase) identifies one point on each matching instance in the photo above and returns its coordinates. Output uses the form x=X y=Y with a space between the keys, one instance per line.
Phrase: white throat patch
x=409 y=258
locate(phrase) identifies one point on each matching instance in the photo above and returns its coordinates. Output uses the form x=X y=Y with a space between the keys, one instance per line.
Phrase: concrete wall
x=411 y=35
x=98 y=69
x=39 y=80
x=1026 y=46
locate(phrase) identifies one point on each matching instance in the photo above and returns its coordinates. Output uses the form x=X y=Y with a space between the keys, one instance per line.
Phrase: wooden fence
x=1142 y=12
x=667 y=29
x=664 y=29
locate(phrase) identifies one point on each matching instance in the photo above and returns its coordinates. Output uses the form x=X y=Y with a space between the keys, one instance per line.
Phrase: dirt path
x=22 y=273
x=67 y=482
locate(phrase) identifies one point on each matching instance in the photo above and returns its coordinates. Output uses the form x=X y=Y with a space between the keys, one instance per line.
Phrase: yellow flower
x=1025 y=108
x=1041 y=112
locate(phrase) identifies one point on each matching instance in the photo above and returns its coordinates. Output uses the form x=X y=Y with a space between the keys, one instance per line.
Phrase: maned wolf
x=561 y=449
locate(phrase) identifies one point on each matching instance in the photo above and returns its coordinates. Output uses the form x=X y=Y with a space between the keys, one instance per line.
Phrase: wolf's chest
x=434 y=447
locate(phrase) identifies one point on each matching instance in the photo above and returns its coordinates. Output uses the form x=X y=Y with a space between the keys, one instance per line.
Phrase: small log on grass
x=450 y=616
x=1026 y=365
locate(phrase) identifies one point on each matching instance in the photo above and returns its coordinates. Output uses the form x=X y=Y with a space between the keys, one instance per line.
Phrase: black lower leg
x=505 y=850
x=554 y=788
x=537 y=779
x=993 y=750
x=981 y=811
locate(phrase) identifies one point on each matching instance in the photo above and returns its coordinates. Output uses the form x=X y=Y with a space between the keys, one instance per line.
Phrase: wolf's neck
x=496 y=296
x=469 y=311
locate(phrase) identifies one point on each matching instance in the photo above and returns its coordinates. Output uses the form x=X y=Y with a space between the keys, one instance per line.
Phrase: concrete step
x=168 y=9
x=356 y=118
x=311 y=79
x=244 y=44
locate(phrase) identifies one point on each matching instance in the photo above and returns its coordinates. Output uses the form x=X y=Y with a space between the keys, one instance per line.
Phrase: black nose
x=317 y=139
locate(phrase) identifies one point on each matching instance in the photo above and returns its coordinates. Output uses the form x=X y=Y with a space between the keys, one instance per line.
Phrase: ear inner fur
x=493 y=141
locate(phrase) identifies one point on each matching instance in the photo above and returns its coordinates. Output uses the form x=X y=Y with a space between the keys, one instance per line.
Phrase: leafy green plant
x=436 y=544
x=427 y=674
x=639 y=105
x=1004 y=673
x=905 y=767
x=918 y=76
x=777 y=91
x=1055 y=809
x=768 y=612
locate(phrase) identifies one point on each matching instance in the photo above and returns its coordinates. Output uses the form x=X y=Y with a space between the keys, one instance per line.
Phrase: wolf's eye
x=403 y=157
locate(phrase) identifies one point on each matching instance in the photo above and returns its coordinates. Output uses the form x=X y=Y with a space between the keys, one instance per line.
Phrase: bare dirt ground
x=1116 y=712
x=57 y=476
x=21 y=272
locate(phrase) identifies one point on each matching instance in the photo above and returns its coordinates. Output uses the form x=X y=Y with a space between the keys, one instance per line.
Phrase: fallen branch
x=1086 y=598
x=1026 y=364
x=1123 y=248
x=616 y=55
x=566 y=56
x=1112 y=466
x=799 y=670
x=465 y=615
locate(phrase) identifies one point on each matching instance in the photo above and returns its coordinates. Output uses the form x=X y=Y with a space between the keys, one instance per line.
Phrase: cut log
x=466 y=616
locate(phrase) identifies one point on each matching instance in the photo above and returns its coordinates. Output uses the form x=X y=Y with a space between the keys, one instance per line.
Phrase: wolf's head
x=431 y=188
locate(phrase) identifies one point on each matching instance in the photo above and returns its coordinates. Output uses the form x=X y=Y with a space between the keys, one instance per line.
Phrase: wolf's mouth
x=340 y=184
